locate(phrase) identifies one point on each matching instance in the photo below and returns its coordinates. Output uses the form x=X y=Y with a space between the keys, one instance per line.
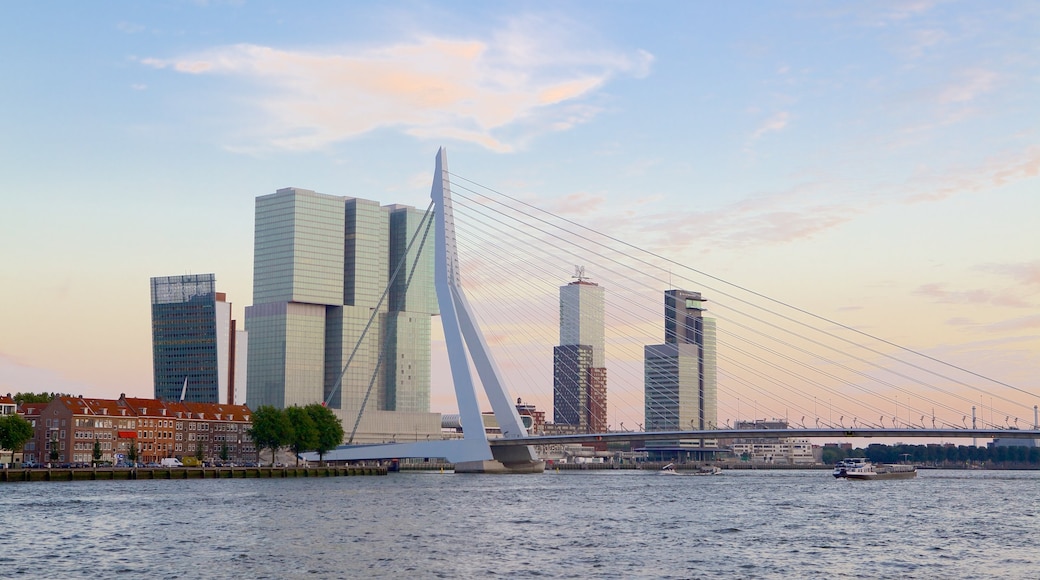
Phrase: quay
x=127 y=473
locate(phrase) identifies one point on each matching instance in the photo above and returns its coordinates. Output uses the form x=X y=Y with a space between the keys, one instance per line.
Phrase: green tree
x=14 y=432
x=199 y=452
x=54 y=446
x=270 y=429
x=131 y=453
x=329 y=427
x=97 y=451
x=305 y=433
x=225 y=453
x=22 y=398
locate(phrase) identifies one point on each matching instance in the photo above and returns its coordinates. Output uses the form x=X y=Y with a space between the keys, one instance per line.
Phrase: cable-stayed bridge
x=500 y=261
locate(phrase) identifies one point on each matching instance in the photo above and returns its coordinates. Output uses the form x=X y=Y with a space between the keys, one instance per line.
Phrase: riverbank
x=126 y=473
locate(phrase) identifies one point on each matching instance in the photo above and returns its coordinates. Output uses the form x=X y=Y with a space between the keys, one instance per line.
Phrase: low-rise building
x=67 y=429
x=783 y=450
x=8 y=407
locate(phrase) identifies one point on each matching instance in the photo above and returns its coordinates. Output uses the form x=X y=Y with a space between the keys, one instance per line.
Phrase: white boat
x=860 y=468
x=849 y=463
x=703 y=470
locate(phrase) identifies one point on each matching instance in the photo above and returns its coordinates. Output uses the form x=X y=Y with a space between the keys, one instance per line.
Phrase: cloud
x=775 y=123
x=970 y=85
x=1027 y=273
x=797 y=213
x=130 y=27
x=495 y=92
x=575 y=204
x=996 y=171
x=1015 y=324
x=939 y=293
x=922 y=41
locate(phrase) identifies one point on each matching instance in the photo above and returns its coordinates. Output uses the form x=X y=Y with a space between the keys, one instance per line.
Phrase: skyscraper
x=322 y=297
x=579 y=372
x=680 y=390
x=194 y=340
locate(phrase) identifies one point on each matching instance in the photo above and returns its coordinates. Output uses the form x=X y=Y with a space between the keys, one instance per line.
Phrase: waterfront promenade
x=120 y=473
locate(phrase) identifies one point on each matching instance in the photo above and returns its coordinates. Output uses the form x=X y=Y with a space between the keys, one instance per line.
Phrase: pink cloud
x=462 y=89
x=775 y=123
x=939 y=293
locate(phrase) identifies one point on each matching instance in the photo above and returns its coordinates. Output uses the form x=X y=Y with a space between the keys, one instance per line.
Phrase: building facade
x=194 y=341
x=777 y=450
x=343 y=300
x=8 y=407
x=679 y=376
x=579 y=369
x=66 y=429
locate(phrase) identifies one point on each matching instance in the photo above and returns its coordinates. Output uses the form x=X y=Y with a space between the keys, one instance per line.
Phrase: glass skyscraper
x=321 y=277
x=680 y=384
x=193 y=340
x=579 y=371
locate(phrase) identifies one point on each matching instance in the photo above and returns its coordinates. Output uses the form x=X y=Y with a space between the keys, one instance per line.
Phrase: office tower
x=579 y=372
x=323 y=297
x=194 y=341
x=680 y=391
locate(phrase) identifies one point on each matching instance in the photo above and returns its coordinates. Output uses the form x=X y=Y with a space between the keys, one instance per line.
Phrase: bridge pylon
x=473 y=453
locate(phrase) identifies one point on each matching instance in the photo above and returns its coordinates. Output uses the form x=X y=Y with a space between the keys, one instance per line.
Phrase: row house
x=156 y=429
x=8 y=407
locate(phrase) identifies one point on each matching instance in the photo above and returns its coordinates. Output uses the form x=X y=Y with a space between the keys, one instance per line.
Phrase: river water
x=587 y=524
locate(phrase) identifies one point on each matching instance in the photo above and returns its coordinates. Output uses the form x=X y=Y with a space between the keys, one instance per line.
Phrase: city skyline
x=874 y=164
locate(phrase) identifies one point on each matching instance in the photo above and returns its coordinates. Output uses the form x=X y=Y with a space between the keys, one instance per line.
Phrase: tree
x=271 y=429
x=97 y=451
x=225 y=453
x=304 y=433
x=14 y=432
x=329 y=427
x=199 y=454
x=131 y=453
x=54 y=446
x=22 y=398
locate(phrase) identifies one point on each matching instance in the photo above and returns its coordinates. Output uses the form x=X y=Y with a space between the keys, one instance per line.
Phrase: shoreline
x=131 y=473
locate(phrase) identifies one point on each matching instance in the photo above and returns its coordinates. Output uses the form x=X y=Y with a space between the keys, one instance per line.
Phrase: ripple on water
x=603 y=524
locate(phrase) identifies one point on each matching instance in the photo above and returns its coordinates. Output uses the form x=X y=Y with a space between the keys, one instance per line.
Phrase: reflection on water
x=753 y=524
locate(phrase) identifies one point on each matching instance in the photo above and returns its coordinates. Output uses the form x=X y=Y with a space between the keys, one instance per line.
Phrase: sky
x=875 y=163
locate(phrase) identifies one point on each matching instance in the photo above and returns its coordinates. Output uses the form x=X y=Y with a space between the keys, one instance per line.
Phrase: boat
x=861 y=468
x=844 y=464
x=703 y=470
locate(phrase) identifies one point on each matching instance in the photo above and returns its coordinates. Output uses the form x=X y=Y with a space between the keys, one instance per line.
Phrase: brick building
x=157 y=429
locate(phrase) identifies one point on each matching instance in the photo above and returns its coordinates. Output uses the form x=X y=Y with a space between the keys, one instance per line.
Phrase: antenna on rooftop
x=579 y=273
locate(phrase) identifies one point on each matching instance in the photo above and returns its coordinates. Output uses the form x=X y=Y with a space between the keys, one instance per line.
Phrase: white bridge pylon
x=465 y=343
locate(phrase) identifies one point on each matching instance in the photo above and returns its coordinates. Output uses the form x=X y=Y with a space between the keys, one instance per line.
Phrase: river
x=576 y=524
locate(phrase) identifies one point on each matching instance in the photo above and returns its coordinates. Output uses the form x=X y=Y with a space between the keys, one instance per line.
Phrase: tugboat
x=861 y=468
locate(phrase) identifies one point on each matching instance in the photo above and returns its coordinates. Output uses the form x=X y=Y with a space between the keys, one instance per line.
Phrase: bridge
x=774 y=359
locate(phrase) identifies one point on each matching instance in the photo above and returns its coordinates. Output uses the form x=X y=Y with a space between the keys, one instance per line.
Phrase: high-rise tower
x=323 y=297
x=194 y=340
x=680 y=375
x=579 y=372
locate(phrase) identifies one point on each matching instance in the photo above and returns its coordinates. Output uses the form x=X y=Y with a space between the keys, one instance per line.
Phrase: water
x=618 y=524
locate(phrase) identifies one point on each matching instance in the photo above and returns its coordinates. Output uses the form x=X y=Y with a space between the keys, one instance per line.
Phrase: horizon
x=876 y=165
